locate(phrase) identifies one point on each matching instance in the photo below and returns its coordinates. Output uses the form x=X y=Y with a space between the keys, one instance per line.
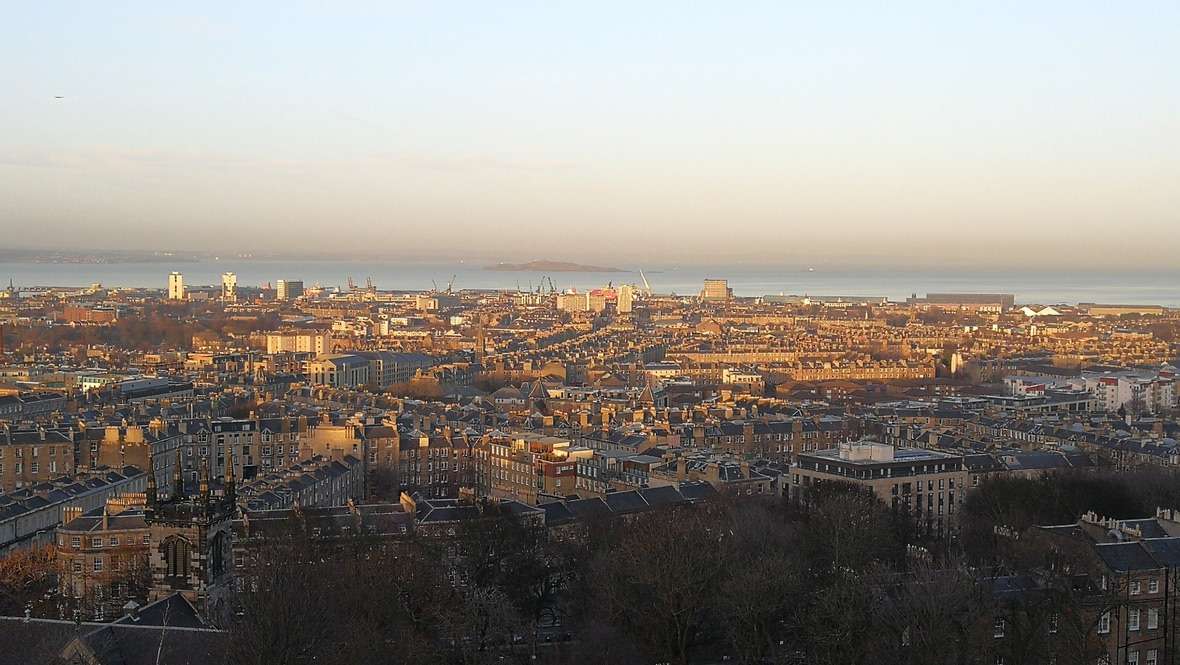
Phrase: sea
x=1044 y=287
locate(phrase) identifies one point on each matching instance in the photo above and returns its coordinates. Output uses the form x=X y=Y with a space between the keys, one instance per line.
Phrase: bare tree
x=764 y=586
x=659 y=584
x=928 y=615
x=27 y=576
x=481 y=626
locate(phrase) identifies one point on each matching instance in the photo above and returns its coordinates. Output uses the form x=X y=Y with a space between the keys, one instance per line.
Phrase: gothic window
x=176 y=551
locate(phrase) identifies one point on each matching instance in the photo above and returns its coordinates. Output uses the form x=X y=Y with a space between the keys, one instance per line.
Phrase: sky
x=988 y=134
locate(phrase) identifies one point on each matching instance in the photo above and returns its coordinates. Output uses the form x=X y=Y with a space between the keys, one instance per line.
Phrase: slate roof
x=167 y=632
x=1165 y=550
x=1126 y=557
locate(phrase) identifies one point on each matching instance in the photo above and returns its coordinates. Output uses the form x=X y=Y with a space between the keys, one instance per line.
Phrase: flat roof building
x=927 y=483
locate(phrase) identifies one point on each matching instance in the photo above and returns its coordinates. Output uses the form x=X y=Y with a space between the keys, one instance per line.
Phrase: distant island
x=95 y=257
x=549 y=266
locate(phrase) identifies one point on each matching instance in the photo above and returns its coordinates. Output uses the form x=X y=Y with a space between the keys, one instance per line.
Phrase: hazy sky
x=985 y=132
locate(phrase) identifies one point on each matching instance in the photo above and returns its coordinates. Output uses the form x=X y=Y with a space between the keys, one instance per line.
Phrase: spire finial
x=230 y=488
x=204 y=485
x=151 y=478
x=177 y=478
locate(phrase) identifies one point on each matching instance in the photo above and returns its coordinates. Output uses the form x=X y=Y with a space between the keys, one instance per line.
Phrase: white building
x=626 y=297
x=176 y=286
x=1137 y=391
x=339 y=370
x=229 y=286
x=299 y=341
x=288 y=289
x=573 y=302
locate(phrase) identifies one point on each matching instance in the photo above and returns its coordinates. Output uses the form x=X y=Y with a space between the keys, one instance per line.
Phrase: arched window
x=176 y=551
x=217 y=551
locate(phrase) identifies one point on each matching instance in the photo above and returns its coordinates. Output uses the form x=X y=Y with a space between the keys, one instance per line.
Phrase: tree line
x=843 y=580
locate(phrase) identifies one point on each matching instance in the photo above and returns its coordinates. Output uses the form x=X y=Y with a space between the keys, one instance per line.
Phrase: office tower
x=626 y=296
x=716 y=290
x=288 y=289
x=229 y=286
x=176 y=286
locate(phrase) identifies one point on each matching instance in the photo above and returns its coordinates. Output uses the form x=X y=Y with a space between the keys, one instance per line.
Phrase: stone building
x=189 y=536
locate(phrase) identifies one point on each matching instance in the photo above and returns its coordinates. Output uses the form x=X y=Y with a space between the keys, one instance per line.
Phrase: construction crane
x=451 y=284
x=351 y=284
x=646 y=286
x=369 y=283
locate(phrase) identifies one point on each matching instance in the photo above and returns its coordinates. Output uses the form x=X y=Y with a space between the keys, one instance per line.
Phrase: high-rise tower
x=176 y=286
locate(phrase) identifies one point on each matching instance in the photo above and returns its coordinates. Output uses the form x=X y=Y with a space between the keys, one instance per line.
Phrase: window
x=98 y=564
x=1153 y=618
x=76 y=542
x=114 y=541
x=1152 y=657
x=998 y=627
x=1133 y=619
x=77 y=567
x=1104 y=623
x=1132 y=658
x=1153 y=586
x=1054 y=622
x=176 y=556
x=1135 y=588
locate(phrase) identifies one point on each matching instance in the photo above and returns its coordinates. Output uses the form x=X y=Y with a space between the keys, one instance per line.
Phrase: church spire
x=204 y=486
x=230 y=488
x=177 y=478
x=151 y=478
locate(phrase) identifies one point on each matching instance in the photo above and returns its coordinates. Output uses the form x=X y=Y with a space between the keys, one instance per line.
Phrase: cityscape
x=570 y=333
x=540 y=470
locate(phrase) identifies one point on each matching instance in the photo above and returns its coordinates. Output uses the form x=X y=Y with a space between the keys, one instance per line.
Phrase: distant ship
x=811 y=270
